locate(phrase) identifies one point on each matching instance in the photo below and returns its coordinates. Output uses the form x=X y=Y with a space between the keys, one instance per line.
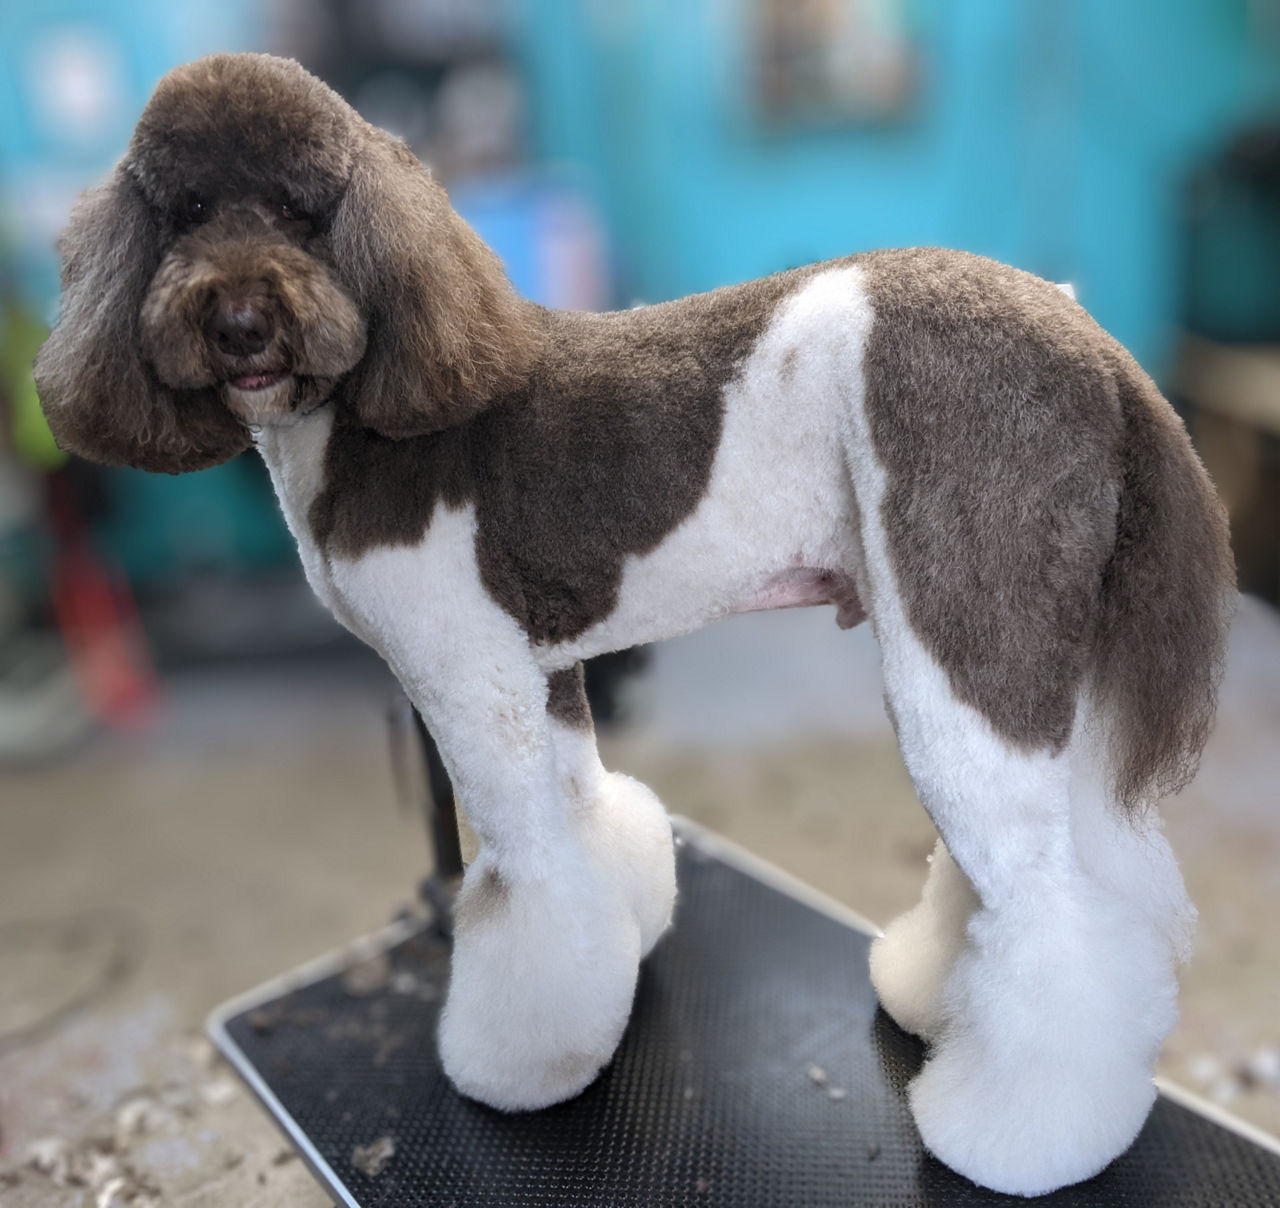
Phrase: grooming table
x=756 y=1070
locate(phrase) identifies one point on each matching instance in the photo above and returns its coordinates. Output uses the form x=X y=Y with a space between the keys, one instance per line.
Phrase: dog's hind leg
x=574 y=878
x=1053 y=1011
x=910 y=962
x=1046 y=1026
x=1046 y=995
x=1010 y=570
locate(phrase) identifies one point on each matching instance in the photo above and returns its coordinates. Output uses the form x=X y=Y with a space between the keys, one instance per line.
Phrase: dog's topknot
x=235 y=123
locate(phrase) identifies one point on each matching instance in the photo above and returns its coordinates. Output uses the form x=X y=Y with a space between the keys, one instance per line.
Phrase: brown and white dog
x=488 y=492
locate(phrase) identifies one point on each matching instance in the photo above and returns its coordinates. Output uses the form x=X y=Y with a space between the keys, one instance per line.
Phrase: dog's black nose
x=240 y=327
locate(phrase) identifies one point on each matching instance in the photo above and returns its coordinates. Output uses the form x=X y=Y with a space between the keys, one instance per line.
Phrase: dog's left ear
x=447 y=332
x=102 y=400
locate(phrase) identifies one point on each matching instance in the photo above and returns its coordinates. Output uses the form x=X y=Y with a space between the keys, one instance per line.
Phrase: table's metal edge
x=304 y=975
x=321 y=1170
x=1218 y=1115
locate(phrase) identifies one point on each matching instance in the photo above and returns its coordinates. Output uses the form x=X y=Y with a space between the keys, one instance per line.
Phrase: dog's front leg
x=573 y=884
x=574 y=878
x=547 y=938
x=621 y=821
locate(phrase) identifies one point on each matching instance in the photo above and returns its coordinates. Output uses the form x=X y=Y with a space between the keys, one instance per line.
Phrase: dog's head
x=258 y=249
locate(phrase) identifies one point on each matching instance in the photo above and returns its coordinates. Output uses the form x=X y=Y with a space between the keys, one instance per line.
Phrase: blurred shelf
x=1236 y=382
x=1232 y=397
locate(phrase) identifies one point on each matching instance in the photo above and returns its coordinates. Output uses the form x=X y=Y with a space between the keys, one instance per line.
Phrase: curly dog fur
x=488 y=492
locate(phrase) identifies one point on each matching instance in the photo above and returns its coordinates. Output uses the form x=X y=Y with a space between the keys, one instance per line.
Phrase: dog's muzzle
x=240 y=326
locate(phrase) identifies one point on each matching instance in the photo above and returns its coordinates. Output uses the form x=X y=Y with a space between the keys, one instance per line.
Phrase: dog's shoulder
x=648 y=349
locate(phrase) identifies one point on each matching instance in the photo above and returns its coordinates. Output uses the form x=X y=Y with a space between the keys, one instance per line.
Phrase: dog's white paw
x=541 y=984
x=544 y=971
x=910 y=963
x=1055 y=1013
x=1012 y=1122
x=908 y=972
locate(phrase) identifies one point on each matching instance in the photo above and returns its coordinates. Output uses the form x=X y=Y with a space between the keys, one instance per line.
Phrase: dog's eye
x=194 y=209
x=287 y=211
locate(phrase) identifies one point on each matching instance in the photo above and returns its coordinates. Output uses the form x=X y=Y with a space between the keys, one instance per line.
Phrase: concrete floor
x=255 y=825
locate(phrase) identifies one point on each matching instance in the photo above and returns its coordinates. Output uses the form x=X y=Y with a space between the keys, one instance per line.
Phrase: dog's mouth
x=266 y=396
x=257 y=381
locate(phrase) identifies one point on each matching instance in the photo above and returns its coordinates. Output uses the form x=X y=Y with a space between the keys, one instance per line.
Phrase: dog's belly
x=781 y=536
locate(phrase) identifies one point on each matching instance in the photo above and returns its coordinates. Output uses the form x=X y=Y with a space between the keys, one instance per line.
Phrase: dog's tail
x=1168 y=593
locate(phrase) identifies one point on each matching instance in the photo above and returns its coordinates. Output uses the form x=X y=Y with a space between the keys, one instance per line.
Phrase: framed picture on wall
x=835 y=62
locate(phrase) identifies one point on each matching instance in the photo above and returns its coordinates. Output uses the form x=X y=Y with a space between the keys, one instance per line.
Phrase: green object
x=20 y=338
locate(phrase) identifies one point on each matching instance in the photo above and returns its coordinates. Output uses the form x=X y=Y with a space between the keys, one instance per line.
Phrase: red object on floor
x=98 y=618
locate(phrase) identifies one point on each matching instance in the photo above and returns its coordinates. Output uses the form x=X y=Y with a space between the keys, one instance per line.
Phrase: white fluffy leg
x=575 y=876
x=544 y=972
x=541 y=985
x=1057 y=1012
x=1051 y=1019
x=911 y=961
x=1039 y=1074
x=1059 y=1004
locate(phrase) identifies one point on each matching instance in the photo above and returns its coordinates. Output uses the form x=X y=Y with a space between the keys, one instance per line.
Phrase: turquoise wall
x=1052 y=134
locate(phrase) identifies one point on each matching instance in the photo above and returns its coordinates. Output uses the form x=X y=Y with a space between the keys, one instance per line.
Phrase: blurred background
x=197 y=789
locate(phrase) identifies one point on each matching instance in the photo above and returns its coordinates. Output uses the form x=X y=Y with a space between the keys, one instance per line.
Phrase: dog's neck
x=294 y=456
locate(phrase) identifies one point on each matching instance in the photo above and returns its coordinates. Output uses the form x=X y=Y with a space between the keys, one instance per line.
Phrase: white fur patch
x=294 y=457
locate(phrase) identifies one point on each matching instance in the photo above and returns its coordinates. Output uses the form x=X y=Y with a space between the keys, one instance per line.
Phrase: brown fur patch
x=992 y=407
x=1021 y=445
x=447 y=333
x=604 y=450
x=567 y=698
x=240 y=126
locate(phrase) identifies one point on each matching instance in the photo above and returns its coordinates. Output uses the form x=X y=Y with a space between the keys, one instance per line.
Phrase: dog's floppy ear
x=101 y=399
x=446 y=330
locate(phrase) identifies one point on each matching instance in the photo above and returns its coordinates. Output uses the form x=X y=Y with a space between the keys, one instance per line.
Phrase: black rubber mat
x=757 y=1070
